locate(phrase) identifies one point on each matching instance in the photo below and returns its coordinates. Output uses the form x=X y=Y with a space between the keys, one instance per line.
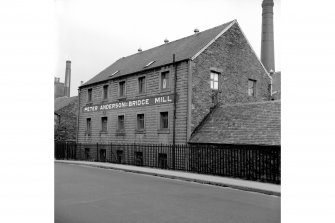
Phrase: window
x=105 y=91
x=140 y=121
x=165 y=80
x=120 y=122
x=214 y=81
x=89 y=94
x=122 y=88
x=251 y=87
x=164 y=120
x=141 y=85
x=104 y=124
x=88 y=126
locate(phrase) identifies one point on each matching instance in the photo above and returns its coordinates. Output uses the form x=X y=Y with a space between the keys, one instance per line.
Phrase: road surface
x=86 y=194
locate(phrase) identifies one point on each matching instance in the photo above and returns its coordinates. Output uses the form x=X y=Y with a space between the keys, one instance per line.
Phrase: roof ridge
x=164 y=44
x=184 y=48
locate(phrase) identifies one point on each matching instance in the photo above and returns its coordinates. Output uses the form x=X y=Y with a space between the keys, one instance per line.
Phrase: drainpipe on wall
x=271 y=83
x=78 y=115
x=174 y=110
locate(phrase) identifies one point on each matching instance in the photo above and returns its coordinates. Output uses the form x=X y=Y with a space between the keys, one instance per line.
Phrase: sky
x=93 y=34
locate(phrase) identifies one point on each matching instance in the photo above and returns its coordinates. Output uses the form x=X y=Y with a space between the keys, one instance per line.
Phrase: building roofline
x=133 y=73
x=254 y=52
x=249 y=103
x=213 y=40
x=233 y=144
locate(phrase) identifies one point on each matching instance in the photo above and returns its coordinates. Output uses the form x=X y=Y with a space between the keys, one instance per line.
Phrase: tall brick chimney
x=67 y=78
x=267 y=46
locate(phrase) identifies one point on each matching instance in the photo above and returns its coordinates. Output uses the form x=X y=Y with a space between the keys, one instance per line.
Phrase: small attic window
x=114 y=73
x=151 y=62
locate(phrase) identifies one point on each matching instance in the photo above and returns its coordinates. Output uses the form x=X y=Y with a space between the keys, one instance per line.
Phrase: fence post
x=97 y=152
x=111 y=153
x=66 y=152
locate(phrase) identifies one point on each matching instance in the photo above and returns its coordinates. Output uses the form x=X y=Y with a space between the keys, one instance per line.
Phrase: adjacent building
x=63 y=89
x=65 y=115
x=167 y=94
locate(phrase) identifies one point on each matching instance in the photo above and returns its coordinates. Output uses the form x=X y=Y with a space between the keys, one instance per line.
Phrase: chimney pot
x=166 y=40
x=196 y=30
x=139 y=50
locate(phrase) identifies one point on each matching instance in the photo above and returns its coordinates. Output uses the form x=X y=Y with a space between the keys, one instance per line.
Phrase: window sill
x=122 y=98
x=139 y=131
x=120 y=133
x=89 y=103
x=165 y=90
x=103 y=132
x=141 y=95
x=163 y=131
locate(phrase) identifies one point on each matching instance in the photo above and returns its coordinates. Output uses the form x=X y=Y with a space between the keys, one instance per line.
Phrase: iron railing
x=249 y=162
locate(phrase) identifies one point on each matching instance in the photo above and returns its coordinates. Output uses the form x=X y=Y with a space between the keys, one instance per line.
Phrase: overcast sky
x=95 y=33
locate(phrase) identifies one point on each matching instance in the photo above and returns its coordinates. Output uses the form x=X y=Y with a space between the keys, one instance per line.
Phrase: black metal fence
x=257 y=163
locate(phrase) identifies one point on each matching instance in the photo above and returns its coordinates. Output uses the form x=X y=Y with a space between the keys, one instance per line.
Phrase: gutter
x=133 y=73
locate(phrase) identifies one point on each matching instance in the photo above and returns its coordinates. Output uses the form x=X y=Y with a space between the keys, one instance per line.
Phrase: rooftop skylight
x=151 y=62
x=114 y=73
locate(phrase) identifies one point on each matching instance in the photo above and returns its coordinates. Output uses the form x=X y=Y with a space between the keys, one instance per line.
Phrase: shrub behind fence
x=257 y=163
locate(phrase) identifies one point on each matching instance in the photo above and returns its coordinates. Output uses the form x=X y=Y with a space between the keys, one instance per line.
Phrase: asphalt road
x=86 y=194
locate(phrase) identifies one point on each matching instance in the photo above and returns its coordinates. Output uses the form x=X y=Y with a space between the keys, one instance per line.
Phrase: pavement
x=265 y=188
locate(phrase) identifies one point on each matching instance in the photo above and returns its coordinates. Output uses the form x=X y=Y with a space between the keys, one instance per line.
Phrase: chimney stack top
x=267 y=3
x=139 y=49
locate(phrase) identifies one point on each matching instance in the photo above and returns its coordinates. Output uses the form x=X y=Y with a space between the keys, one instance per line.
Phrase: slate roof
x=183 y=49
x=250 y=123
x=61 y=102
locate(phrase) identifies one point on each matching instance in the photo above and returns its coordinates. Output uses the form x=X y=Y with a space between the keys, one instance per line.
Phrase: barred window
x=140 y=121
x=164 y=120
x=104 y=124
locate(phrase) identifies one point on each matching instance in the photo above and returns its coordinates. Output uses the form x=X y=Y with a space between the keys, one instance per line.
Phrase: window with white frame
x=164 y=80
x=214 y=80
